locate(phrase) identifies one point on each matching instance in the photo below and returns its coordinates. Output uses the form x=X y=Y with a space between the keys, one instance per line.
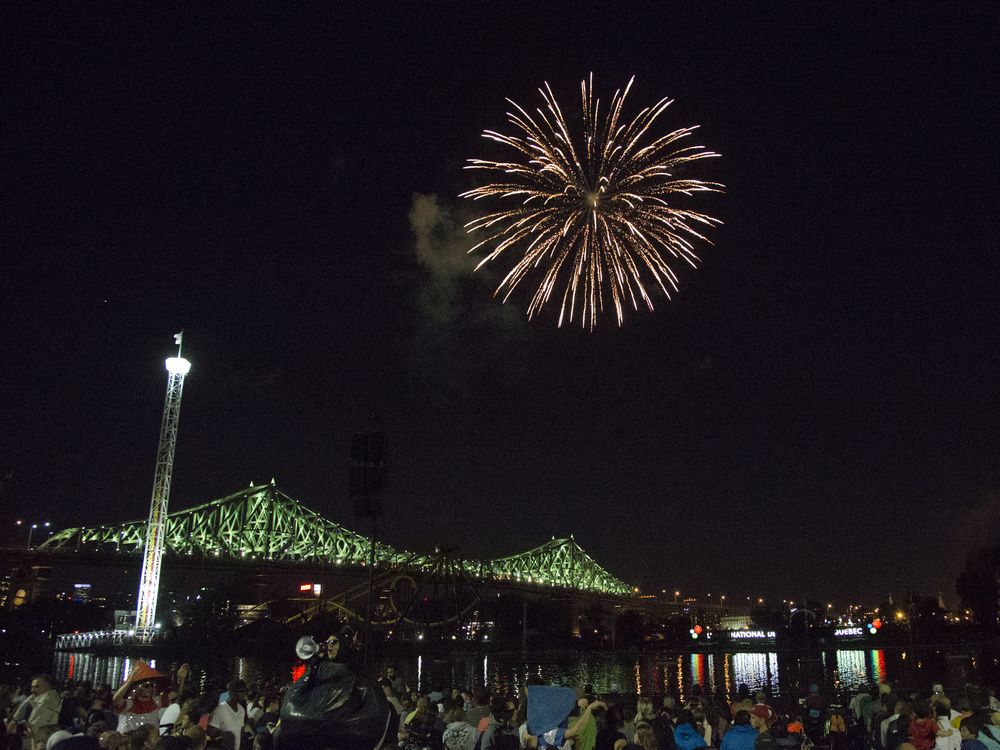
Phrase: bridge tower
x=149 y=583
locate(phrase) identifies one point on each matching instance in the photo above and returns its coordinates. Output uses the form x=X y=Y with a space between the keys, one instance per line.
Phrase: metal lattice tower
x=149 y=584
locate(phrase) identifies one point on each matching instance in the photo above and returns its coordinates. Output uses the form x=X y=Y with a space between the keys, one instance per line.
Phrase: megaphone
x=306 y=648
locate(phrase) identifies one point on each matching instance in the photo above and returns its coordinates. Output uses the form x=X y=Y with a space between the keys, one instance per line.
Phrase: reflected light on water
x=727 y=677
x=645 y=674
x=878 y=665
x=757 y=671
x=851 y=668
x=680 y=678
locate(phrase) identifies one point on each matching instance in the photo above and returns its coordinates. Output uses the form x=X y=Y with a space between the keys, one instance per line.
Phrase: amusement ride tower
x=149 y=584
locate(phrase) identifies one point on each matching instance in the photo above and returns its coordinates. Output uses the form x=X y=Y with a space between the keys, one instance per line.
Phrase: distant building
x=6 y=583
x=735 y=622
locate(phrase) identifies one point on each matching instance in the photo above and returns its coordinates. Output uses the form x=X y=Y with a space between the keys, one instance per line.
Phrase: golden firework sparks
x=596 y=213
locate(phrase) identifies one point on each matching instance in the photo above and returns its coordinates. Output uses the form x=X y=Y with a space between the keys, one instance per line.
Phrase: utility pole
x=149 y=584
x=367 y=484
x=524 y=625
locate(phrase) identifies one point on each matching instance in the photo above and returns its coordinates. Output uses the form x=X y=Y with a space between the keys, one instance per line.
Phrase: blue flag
x=549 y=708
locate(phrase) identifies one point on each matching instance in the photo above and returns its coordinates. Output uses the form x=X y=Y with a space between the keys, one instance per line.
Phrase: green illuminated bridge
x=264 y=524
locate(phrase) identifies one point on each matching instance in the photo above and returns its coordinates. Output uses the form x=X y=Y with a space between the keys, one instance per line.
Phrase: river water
x=719 y=673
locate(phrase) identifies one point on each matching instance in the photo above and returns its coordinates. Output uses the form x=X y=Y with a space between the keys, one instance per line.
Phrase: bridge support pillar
x=263 y=588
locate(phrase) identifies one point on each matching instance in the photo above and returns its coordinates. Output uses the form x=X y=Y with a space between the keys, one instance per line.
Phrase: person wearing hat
x=759 y=720
x=760 y=699
x=227 y=720
x=149 y=696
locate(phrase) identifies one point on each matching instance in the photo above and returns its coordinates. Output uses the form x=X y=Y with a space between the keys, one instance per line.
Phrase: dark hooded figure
x=335 y=704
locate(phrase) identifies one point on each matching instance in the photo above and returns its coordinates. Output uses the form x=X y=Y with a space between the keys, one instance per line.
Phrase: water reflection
x=851 y=668
x=878 y=665
x=645 y=674
x=758 y=671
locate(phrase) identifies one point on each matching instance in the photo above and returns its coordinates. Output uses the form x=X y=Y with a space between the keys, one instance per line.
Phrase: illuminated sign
x=317 y=589
x=752 y=634
x=305 y=587
x=847 y=632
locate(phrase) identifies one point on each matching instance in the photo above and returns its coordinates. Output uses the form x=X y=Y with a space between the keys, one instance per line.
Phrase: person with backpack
x=989 y=735
x=838 y=722
x=417 y=732
x=459 y=734
x=815 y=712
x=882 y=736
x=759 y=719
x=969 y=730
x=898 y=731
x=500 y=734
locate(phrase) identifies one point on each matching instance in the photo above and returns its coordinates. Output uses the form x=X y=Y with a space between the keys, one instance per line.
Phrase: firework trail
x=596 y=212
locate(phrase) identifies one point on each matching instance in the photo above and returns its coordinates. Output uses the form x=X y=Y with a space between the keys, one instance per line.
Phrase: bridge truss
x=262 y=523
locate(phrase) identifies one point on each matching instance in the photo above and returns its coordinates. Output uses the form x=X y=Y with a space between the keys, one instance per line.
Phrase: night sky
x=817 y=411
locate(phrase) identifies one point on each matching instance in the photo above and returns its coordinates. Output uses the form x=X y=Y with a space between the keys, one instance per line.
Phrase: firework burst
x=595 y=212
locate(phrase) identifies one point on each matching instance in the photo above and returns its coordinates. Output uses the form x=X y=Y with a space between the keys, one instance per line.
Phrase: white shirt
x=884 y=727
x=952 y=742
x=226 y=719
x=169 y=717
x=255 y=713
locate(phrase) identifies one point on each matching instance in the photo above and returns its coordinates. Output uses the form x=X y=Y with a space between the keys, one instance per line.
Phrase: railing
x=73 y=641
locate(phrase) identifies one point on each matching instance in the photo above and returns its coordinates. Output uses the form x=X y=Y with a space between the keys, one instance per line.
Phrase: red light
x=876 y=624
x=305 y=587
x=697 y=629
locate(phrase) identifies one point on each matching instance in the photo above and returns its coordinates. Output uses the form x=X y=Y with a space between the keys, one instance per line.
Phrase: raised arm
x=577 y=726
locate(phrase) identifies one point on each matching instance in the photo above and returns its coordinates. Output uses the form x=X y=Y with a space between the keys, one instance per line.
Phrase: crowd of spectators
x=151 y=711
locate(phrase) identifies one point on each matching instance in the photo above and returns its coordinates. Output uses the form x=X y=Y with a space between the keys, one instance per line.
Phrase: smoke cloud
x=442 y=249
x=458 y=313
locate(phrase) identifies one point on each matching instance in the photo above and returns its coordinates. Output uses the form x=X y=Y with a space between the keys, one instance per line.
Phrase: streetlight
x=676 y=595
x=31 y=530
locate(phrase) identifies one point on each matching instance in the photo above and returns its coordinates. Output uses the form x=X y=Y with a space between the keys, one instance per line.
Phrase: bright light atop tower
x=178 y=366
